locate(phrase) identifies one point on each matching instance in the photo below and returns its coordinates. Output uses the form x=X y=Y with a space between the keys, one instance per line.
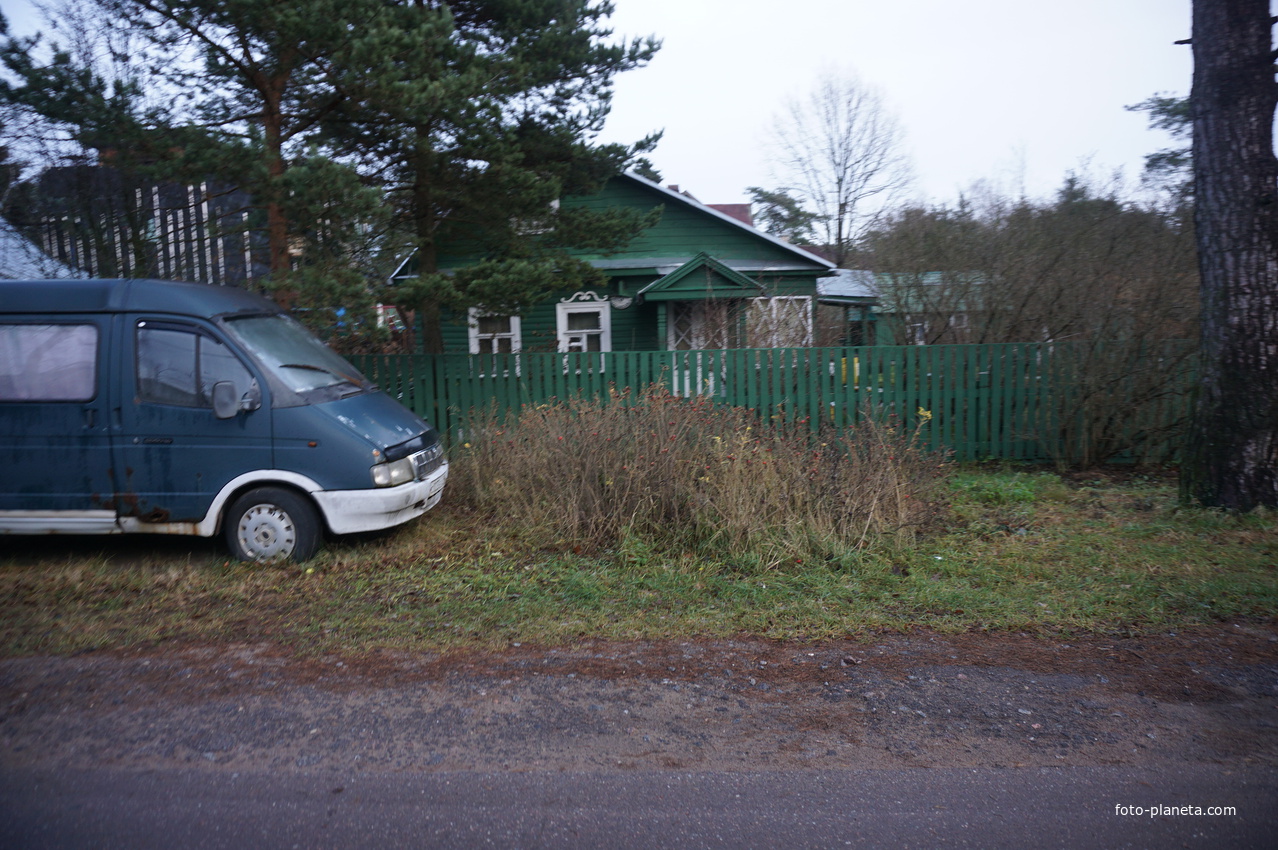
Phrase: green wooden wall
x=683 y=232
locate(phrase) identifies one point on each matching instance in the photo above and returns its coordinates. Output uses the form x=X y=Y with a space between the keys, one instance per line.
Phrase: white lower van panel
x=351 y=511
x=345 y=511
x=59 y=522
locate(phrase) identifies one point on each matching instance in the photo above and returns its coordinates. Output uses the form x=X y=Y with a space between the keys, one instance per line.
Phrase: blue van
x=145 y=406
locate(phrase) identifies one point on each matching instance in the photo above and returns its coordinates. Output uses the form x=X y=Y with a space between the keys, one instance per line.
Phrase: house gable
x=701 y=278
x=688 y=228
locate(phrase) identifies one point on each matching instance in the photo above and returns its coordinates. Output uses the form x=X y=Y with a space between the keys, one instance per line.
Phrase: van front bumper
x=352 y=511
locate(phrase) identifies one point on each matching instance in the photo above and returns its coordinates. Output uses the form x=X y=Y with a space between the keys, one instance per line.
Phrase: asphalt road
x=911 y=807
x=899 y=741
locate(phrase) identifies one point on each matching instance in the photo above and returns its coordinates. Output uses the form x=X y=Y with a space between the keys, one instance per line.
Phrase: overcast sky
x=1013 y=91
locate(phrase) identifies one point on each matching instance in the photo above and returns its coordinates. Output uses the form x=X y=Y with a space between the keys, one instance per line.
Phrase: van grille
x=426 y=462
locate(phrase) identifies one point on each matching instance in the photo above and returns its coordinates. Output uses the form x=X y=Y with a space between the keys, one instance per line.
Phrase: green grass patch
x=1014 y=550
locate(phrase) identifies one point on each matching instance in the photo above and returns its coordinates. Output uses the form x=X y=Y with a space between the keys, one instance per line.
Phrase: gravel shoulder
x=1209 y=697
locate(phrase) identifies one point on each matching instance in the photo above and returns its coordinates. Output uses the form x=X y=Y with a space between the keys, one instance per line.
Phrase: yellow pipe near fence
x=856 y=371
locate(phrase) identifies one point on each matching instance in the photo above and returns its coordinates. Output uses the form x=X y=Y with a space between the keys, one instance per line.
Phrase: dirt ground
x=1210 y=696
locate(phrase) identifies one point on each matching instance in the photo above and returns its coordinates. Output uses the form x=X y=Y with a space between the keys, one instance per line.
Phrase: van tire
x=272 y=524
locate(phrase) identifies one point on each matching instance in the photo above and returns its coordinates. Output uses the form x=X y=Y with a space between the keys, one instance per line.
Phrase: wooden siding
x=684 y=231
x=633 y=329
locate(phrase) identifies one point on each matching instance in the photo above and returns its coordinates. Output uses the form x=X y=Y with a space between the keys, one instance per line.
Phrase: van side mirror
x=226 y=405
x=225 y=402
x=252 y=398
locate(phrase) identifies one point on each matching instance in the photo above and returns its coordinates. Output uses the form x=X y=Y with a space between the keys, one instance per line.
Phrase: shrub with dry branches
x=688 y=473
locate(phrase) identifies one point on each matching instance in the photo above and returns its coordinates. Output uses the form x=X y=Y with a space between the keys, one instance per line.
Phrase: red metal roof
x=741 y=212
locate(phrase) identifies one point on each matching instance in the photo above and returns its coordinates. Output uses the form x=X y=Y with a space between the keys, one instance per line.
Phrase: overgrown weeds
x=1013 y=549
x=685 y=473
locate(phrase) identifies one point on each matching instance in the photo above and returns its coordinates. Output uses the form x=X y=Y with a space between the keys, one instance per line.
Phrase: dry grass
x=686 y=473
x=1016 y=549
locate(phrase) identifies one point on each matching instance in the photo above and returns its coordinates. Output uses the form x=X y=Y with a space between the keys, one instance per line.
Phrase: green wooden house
x=699 y=279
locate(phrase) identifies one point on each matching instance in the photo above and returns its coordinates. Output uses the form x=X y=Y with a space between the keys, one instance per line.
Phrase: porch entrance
x=703 y=325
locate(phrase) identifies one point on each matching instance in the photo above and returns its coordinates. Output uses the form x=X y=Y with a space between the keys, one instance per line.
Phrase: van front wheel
x=272 y=524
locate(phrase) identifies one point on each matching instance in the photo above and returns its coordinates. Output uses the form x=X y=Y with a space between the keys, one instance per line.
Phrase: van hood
x=377 y=418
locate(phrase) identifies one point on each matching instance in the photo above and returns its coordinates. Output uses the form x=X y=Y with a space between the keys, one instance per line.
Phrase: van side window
x=217 y=363
x=180 y=367
x=166 y=367
x=48 y=362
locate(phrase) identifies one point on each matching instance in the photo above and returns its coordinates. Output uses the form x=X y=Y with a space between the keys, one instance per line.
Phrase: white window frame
x=537 y=226
x=388 y=317
x=473 y=335
x=484 y=364
x=960 y=326
x=918 y=332
x=583 y=302
x=770 y=306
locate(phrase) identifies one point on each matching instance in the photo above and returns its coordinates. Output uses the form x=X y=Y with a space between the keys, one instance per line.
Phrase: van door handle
x=90 y=418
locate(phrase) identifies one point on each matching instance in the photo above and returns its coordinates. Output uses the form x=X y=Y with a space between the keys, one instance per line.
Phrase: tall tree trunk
x=1232 y=456
x=271 y=89
x=429 y=313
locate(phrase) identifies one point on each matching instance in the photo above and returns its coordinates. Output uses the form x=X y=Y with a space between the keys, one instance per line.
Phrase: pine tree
x=471 y=118
x=783 y=215
x=480 y=115
x=225 y=90
x=255 y=97
x=1232 y=459
x=1172 y=167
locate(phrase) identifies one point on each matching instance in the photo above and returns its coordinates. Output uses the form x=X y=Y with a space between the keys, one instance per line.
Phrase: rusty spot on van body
x=102 y=502
x=128 y=503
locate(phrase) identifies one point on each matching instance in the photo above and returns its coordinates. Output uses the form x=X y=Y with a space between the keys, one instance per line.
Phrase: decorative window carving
x=584 y=323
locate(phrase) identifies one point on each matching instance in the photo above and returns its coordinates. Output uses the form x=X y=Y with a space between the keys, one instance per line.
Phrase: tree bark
x=271 y=90
x=428 y=310
x=1232 y=456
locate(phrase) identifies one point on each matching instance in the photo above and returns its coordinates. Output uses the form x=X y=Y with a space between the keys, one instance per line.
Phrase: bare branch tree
x=840 y=150
x=1108 y=285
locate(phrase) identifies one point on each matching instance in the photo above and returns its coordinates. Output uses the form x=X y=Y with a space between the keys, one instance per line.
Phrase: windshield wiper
x=313 y=368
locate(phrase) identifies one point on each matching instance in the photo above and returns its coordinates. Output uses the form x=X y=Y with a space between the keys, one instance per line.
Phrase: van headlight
x=393 y=474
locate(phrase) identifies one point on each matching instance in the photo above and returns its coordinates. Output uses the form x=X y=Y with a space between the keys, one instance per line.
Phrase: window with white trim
x=918 y=332
x=784 y=321
x=539 y=224
x=584 y=325
x=492 y=334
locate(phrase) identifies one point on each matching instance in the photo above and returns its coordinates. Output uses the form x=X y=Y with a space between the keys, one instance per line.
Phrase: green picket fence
x=1011 y=401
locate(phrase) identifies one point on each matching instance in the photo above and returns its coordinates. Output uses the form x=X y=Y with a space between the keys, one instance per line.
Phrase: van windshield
x=299 y=360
